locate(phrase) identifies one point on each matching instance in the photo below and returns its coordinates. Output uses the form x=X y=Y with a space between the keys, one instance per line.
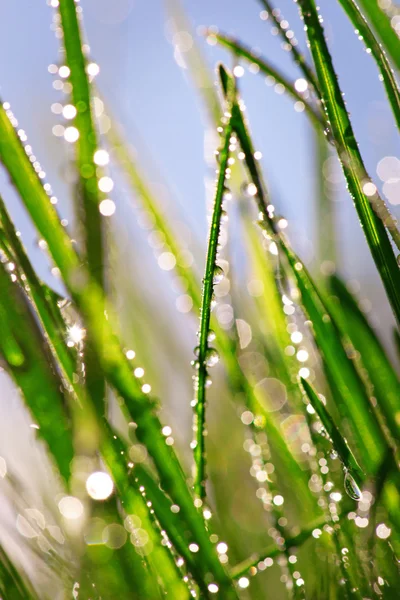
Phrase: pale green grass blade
x=368 y=207
x=375 y=49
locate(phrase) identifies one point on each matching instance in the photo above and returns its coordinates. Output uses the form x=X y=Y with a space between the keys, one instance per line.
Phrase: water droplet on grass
x=351 y=486
x=212 y=357
x=218 y=274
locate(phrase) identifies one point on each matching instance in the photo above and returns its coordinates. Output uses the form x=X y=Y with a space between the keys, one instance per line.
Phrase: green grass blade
x=382 y=25
x=291 y=43
x=348 y=389
x=87 y=143
x=341 y=371
x=117 y=369
x=354 y=324
x=368 y=207
x=338 y=441
x=89 y=192
x=37 y=292
x=326 y=250
x=134 y=504
x=207 y=356
x=29 y=361
x=374 y=48
x=241 y=51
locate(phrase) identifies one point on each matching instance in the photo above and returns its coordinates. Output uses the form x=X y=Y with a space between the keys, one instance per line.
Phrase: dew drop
x=218 y=274
x=211 y=335
x=333 y=454
x=196 y=351
x=212 y=357
x=195 y=364
x=208 y=382
x=351 y=486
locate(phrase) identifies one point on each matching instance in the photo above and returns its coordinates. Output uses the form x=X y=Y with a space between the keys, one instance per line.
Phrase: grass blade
x=342 y=373
x=381 y=373
x=29 y=362
x=208 y=356
x=353 y=167
x=117 y=369
x=382 y=25
x=241 y=51
x=87 y=173
x=339 y=443
x=373 y=47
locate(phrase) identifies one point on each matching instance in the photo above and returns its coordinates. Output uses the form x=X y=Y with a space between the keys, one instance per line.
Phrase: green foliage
x=123 y=518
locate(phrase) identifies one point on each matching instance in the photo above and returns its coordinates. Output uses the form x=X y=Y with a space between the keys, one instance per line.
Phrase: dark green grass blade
x=90 y=195
x=341 y=371
x=241 y=51
x=205 y=316
x=45 y=307
x=375 y=48
x=381 y=23
x=356 y=176
x=23 y=348
x=348 y=389
x=12 y=583
x=338 y=441
x=354 y=324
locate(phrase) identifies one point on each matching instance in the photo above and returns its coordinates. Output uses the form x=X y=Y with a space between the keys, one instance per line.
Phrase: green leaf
x=368 y=207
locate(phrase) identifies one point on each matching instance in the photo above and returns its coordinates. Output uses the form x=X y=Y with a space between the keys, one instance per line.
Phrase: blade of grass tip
x=372 y=211
x=375 y=49
x=207 y=356
x=241 y=51
x=24 y=349
x=341 y=370
x=86 y=145
x=382 y=25
x=115 y=365
x=385 y=381
x=340 y=445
